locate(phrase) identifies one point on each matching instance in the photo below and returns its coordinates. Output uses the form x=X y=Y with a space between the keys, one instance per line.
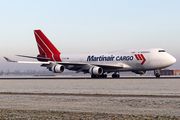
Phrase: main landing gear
x=157 y=73
x=99 y=76
x=115 y=75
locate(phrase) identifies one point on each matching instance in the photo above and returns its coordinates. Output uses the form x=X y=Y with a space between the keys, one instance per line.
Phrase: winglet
x=9 y=60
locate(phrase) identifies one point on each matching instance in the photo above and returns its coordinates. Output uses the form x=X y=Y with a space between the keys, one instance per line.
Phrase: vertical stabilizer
x=46 y=48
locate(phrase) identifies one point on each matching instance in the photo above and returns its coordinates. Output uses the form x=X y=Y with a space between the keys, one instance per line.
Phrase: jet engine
x=139 y=72
x=96 y=70
x=57 y=68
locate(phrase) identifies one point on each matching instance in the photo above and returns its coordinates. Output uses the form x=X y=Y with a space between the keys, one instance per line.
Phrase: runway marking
x=90 y=95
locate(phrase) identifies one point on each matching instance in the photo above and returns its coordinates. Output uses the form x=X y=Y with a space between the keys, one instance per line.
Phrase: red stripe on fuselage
x=136 y=57
x=144 y=59
x=139 y=57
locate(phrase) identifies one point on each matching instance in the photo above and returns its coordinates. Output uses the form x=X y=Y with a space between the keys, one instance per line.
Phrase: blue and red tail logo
x=140 y=57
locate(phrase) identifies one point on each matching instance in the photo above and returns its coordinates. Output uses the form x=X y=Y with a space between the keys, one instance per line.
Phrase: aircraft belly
x=156 y=64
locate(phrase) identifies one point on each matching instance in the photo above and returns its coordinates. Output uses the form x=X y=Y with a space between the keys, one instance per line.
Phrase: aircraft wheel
x=157 y=75
x=105 y=76
x=115 y=75
x=99 y=76
x=94 y=76
x=102 y=76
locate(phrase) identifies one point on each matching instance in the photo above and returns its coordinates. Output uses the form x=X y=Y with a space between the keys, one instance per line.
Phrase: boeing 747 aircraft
x=99 y=64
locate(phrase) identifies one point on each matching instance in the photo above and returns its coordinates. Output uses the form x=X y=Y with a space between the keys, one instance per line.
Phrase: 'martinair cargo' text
x=109 y=58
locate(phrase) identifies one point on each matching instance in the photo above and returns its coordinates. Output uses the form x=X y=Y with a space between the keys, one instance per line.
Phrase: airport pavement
x=78 y=107
x=135 y=98
x=88 y=77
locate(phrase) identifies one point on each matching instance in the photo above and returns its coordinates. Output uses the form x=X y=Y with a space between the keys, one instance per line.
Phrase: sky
x=83 y=26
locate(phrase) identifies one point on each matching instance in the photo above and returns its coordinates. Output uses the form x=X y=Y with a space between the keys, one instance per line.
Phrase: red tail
x=46 y=48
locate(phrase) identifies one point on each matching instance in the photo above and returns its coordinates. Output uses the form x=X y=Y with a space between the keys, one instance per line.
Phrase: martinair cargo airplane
x=99 y=64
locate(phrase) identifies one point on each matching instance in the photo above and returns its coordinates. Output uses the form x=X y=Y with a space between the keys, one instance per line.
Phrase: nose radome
x=173 y=60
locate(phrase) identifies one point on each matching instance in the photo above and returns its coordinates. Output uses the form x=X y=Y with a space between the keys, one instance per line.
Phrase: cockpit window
x=161 y=51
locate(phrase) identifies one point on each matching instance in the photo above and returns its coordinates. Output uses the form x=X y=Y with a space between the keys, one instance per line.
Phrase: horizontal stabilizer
x=39 y=58
x=9 y=60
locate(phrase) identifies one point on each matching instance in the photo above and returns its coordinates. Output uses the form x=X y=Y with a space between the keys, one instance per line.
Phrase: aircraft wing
x=84 y=67
x=76 y=66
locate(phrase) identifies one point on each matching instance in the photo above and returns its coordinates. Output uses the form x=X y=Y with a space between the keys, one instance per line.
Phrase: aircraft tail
x=46 y=48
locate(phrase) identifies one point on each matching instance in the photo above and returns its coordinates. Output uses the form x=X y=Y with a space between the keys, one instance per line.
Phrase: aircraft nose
x=172 y=60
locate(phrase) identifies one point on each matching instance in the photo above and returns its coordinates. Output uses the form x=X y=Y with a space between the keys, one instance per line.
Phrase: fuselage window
x=145 y=51
x=161 y=51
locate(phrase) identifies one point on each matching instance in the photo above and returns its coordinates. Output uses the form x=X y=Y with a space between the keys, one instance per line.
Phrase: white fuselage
x=128 y=60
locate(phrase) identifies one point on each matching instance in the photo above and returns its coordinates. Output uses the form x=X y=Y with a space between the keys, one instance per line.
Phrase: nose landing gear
x=157 y=73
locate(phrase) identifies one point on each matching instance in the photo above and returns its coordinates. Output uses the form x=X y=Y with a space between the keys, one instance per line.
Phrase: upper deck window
x=145 y=51
x=161 y=51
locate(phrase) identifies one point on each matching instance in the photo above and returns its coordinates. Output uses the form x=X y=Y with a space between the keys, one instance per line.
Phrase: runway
x=166 y=86
x=91 y=95
x=84 y=77
x=132 y=96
